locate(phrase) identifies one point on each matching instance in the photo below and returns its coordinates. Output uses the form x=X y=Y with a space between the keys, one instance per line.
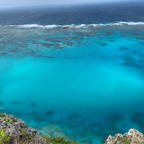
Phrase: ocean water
x=79 y=81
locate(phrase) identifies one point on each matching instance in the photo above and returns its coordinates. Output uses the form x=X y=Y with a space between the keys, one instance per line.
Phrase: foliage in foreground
x=126 y=140
x=58 y=140
x=4 y=137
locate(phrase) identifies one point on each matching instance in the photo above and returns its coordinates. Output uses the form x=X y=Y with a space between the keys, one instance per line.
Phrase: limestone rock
x=15 y=131
x=132 y=137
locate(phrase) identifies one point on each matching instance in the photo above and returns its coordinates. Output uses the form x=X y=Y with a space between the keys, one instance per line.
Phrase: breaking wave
x=74 y=25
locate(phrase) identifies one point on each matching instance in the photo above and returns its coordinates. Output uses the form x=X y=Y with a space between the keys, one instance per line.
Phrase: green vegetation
x=2 y=115
x=4 y=137
x=58 y=140
x=24 y=133
x=7 y=120
x=126 y=140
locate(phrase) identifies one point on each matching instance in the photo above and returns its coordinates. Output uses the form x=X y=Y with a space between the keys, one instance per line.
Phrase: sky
x=24 y=3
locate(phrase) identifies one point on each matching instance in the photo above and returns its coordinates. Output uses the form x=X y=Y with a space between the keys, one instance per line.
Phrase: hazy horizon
x=24 y=3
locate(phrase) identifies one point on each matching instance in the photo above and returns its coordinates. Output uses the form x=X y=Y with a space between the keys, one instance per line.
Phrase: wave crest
x=74 y=25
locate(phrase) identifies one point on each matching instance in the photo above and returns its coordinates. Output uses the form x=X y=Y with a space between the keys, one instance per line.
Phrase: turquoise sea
x=82 y=82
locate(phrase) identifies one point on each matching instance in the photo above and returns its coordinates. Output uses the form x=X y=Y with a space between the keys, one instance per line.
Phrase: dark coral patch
x=15 y=102
x=108 y=33
x=140 y=38
x=135 y=52
x=114 y=118
x=33 y=104
x=104 y=44
x=66 y=27
x=138 y=118
x=129 y=61
x=123 y=48
x=37 y=116
x=50 y=113
x=1 y=103
x=43 y=56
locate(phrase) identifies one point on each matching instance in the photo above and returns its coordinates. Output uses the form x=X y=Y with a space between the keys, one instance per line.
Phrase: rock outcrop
x=15 y=131
x=132 y=137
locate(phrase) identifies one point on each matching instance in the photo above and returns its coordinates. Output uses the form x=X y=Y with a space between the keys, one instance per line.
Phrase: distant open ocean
x=76 y=72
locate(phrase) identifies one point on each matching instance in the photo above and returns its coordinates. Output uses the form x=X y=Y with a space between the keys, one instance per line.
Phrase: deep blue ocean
x=75 y=71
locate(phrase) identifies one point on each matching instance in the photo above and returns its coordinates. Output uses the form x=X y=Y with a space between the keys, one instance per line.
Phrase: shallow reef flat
x=81 y=82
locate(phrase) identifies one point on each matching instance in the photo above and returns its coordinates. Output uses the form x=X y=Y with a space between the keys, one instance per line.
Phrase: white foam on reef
x=37 y=26
x=74 y=26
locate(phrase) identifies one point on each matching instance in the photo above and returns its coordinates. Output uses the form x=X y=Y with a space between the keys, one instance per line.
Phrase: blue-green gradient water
x=82 y=82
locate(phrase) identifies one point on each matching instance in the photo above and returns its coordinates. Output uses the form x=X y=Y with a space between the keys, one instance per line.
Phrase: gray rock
x=132 y=137
x=19 y=132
